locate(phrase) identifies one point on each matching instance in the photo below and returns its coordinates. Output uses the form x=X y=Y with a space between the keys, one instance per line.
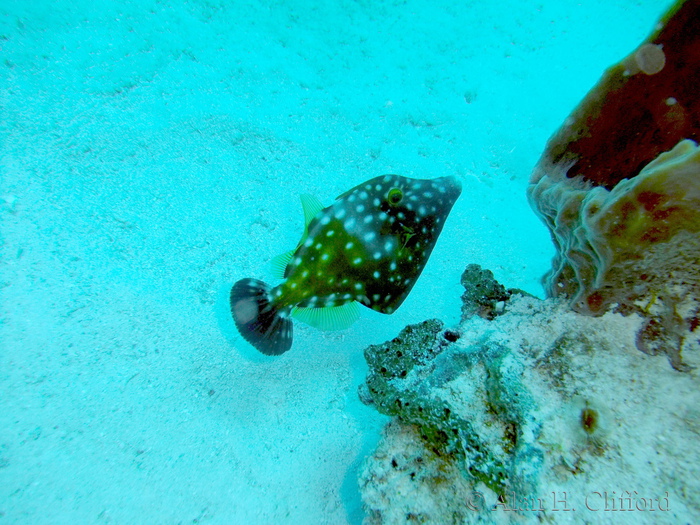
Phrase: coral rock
x=527 y=415
x=483 y=295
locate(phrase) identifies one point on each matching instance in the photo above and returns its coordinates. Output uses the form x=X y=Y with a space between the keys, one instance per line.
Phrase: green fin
x=329 y=318
x=278 y=264
x=311 y=207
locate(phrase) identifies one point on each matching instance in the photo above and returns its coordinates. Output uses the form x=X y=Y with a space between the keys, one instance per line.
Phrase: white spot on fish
x=357 y=260
x=392 y=266
x=376 y=202
x=330 y=233
x=376 y=274
x=340 y=213
x=360 y=208
x=358 y=286
x=350 y=223
x=369 y=236
x=377 y=255
x=368 y=219
x=349 y=245
x=325 y=220
x=388 y=246
x=318 y=246
x=324 y=257
x=308 y=242
x=364 y=194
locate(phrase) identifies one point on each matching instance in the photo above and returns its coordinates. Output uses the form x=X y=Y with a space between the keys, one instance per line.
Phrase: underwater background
x=152 y=153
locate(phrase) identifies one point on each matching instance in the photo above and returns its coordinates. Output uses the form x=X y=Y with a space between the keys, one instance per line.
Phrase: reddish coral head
x=641 y=107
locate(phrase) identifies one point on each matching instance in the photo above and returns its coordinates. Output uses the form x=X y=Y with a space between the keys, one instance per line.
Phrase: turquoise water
x=152 y=153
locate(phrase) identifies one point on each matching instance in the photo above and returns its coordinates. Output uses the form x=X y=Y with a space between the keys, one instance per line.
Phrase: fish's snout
x=455 y=183
x=452 y=185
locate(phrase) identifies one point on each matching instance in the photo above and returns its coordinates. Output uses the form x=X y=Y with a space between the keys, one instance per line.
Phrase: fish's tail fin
x=257 y=319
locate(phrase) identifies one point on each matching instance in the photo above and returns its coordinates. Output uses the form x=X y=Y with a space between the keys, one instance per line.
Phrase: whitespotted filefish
x=368 y=247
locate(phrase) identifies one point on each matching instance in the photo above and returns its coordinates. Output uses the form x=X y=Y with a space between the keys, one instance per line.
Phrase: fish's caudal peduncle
x=368 y=247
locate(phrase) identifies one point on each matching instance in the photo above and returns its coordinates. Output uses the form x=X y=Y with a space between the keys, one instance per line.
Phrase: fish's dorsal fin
x=329 y=318
x=278 y=264
x=312 y=206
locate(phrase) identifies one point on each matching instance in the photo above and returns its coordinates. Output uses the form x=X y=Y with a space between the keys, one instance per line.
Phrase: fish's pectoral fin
x=278 y=264
x=329 y=318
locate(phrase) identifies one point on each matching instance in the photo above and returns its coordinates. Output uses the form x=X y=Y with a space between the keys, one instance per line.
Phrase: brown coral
x=641 y=107
x=619 y=188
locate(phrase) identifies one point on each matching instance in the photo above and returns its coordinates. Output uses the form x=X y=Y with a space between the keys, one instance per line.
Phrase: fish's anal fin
x=329 y=318
x=278 y=265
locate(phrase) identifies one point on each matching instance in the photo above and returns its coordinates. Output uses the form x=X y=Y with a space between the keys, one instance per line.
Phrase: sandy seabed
x=152 y=153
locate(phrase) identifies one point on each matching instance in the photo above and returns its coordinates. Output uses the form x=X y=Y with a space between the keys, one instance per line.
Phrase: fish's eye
x=395 y=196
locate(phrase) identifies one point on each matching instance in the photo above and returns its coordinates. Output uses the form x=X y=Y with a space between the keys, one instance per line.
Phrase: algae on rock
x=496 y=420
